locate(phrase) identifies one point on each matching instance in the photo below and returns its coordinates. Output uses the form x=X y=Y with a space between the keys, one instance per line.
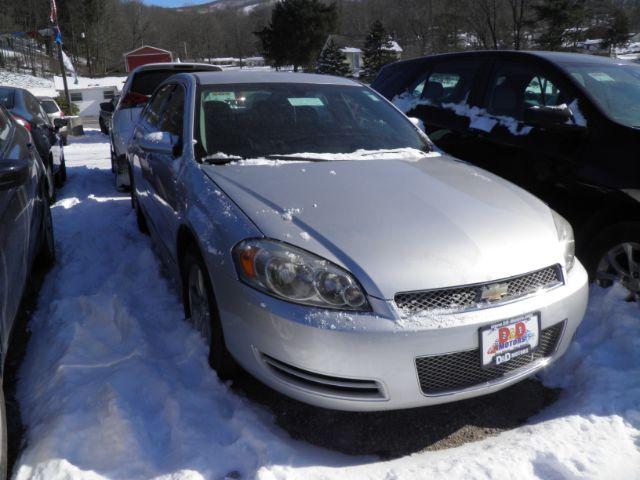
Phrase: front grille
x=325 y=384
x=456 y=371
x=452 y=300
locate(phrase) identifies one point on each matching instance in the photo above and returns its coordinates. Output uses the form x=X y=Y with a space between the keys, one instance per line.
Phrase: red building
x=145 y=55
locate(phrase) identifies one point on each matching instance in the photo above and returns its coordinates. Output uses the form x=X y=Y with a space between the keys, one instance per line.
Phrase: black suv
x=564 y=126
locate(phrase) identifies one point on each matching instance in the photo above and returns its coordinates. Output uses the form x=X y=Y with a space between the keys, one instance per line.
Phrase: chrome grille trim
x=355 y=389
x=469 y=297
x=455 y=372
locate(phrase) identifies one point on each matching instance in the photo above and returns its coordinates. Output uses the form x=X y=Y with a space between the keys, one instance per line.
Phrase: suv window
x=516 y=86
x=450 y=81
x=152 y=114
x=6 y=97
x=171 y=120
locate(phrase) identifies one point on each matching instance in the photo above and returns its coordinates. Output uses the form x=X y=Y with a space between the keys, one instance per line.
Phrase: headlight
x=292 y=274
x=565 y=236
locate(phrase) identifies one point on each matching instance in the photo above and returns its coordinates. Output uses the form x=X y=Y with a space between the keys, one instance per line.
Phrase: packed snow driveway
x=116 y=386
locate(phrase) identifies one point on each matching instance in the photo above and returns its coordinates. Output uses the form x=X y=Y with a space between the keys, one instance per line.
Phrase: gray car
x=26 y=235
x=324 y=246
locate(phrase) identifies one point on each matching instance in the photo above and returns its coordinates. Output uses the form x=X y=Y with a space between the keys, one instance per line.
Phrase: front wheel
x=61 y=175
x=615 y=258
x=201 y=309
x=135 y=204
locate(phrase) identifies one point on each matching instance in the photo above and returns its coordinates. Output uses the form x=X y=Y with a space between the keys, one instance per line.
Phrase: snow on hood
x=398 y=225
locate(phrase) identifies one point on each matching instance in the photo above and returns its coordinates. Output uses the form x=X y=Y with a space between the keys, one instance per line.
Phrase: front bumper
x=367 y=362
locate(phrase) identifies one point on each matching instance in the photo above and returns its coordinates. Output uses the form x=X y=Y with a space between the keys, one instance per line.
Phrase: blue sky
x=174 y=3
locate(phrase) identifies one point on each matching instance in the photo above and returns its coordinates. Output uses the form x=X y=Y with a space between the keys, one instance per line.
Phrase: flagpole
x=64 y=79
x=53 y=17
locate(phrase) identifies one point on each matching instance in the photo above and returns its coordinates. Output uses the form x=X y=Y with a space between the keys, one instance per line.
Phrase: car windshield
x=49 y=106
x=6 y=97
x=616 y=88
x=273 y=119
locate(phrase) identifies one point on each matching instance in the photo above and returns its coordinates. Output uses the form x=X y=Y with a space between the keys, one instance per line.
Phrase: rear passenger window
x=450 y=82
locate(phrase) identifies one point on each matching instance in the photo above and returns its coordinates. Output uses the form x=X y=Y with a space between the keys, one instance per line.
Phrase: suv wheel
x=201 y=309
x=615 y=258
x=61 y=175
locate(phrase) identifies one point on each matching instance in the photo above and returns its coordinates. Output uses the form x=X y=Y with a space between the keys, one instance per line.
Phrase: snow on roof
x=38 y=86
x=350 y=50
x=87 y=83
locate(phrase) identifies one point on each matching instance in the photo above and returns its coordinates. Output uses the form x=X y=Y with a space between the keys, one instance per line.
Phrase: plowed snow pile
x=116 y=386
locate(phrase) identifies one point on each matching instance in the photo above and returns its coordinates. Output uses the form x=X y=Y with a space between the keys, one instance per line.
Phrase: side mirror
x=160 y=142
x=58 y=123
x=106 y=106
x=552 y=118
x=13 y=173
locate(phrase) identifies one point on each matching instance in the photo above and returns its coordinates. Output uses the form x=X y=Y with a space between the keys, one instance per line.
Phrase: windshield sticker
x=601 y=77
x=219 y=97
x=305 y=102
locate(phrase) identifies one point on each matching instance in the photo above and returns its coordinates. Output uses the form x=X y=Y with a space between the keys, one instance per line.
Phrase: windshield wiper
x=295 y=158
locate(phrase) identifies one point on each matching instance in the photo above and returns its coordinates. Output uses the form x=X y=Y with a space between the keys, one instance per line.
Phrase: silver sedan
x=322 y=245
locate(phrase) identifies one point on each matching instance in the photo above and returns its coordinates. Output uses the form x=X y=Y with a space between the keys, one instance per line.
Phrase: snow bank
x=38 y=86
x=115 y=384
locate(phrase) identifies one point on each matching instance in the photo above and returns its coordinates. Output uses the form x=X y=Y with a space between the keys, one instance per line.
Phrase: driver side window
x=152 y=114
x=172 y=118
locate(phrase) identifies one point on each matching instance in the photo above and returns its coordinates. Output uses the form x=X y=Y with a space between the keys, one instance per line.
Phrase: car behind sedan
x=564 y=126
x=323 y=246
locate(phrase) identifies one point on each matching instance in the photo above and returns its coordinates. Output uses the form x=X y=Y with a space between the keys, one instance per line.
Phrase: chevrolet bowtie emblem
x=494 y=292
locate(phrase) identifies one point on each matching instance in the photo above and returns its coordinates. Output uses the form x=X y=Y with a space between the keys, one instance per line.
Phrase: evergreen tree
x=377 y=51
x=617 y=32
x=332 y=61
x=297 y=31
x=557 y=18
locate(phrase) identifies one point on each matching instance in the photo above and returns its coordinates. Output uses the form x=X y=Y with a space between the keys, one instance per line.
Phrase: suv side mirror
x=58 y=123
x=13 y=173
x=107 y=106
x=552 y=118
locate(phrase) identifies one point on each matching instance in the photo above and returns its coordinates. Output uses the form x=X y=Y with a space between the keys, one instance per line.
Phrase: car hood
x=398 y=225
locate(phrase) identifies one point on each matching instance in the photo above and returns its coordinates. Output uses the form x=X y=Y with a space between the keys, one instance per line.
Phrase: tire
x=103 y=127
x=61 y=175
x=113 y=158
x=141 y=220
x=46 y=256
x=610 y=240
x=220 y=358
x=51 y=181
x=4 y=439
x=122 y=178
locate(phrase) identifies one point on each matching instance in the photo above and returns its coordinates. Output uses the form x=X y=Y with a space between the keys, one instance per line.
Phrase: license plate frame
x=489 y=339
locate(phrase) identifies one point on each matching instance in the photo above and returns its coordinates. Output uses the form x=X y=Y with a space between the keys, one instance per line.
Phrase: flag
x=68 y=64
x=53 y=14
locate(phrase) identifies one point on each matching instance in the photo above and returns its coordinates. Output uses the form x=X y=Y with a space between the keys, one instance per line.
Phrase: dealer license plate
x=505 y=341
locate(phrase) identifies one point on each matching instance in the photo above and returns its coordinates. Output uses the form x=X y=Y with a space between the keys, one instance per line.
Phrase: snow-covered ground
x=40 y=87
x=116 y=386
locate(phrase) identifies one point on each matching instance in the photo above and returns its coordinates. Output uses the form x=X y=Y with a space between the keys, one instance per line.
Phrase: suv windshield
x=616 y=88
x=259 y=120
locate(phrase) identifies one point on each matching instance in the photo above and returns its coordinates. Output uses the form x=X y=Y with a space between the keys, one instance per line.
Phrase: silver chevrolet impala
x=322 y=245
